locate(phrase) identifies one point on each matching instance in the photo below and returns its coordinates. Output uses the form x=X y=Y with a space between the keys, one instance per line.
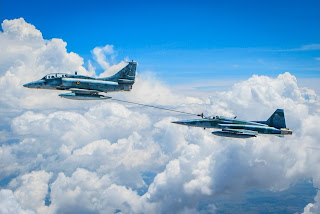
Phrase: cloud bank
x=63 y=156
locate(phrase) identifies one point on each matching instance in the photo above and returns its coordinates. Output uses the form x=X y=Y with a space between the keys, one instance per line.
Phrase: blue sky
x=183 y=40
x=133 y=159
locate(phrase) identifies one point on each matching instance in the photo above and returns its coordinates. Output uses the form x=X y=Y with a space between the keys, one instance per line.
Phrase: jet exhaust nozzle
x=286 y=132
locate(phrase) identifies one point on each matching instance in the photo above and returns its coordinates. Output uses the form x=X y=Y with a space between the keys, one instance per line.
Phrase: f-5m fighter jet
x=87 y=88
x=230 y=127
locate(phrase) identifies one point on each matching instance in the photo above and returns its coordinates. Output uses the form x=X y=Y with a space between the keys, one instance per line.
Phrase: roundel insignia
x=78 y=82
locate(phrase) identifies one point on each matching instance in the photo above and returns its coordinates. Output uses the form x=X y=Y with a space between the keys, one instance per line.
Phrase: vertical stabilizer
x=277 y=119
x=126 y=75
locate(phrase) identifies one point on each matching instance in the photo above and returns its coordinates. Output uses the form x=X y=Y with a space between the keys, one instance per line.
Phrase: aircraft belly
x=264 y=130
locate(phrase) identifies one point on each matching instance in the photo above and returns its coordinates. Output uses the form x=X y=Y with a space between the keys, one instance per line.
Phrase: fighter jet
x=87 y=88
x=231 y=127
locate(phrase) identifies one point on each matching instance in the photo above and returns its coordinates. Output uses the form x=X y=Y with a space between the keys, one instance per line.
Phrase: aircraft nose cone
x=181 y=122
x=176 y=122
x=34 y=84
x=27 y=85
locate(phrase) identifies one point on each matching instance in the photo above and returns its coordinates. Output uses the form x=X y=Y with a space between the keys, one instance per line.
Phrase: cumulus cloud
x=9 y=203
x=31 y=189
x=18 y=28
x=104 y=57
x=313 y=208
x=86 y=192
x=26 y=57
x=95 y=157
x=100 y=55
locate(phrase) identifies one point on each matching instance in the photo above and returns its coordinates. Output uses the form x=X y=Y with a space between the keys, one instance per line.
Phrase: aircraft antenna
x=157 y=107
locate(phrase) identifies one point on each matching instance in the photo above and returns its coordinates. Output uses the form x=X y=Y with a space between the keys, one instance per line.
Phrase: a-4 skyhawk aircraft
x=87 y=88
x=230 y=127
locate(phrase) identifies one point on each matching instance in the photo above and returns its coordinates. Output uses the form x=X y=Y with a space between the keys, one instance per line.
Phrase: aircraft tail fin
x=277 y=119
x=126 y=75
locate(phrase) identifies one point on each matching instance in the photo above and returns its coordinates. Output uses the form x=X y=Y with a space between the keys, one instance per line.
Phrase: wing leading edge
x=84 y=94
x=235 y=133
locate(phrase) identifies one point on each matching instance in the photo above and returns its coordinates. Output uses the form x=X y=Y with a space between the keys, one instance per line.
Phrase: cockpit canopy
x=54 y=76
x=221 y=118
x=214 y=117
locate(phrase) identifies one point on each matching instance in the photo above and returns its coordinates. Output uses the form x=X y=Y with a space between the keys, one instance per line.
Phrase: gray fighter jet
x=231 y=127
x=87 y=88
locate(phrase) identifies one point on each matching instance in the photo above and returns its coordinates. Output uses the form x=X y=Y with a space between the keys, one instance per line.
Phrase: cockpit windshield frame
x=54 y=76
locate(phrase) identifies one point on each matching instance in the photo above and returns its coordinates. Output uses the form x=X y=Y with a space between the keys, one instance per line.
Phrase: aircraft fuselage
x=77 y=82
x=87 y=88
x=240 y=128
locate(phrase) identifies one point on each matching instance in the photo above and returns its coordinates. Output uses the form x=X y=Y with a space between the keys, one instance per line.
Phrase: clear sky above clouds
x=186 y=40
x=64 y=156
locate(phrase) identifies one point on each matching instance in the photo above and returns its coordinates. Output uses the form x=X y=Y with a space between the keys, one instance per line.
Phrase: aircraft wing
x=84 y=91
x=241 y=132
x=84 y=94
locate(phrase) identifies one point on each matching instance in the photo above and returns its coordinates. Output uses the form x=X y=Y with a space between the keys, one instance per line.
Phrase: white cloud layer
x=92 y=157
